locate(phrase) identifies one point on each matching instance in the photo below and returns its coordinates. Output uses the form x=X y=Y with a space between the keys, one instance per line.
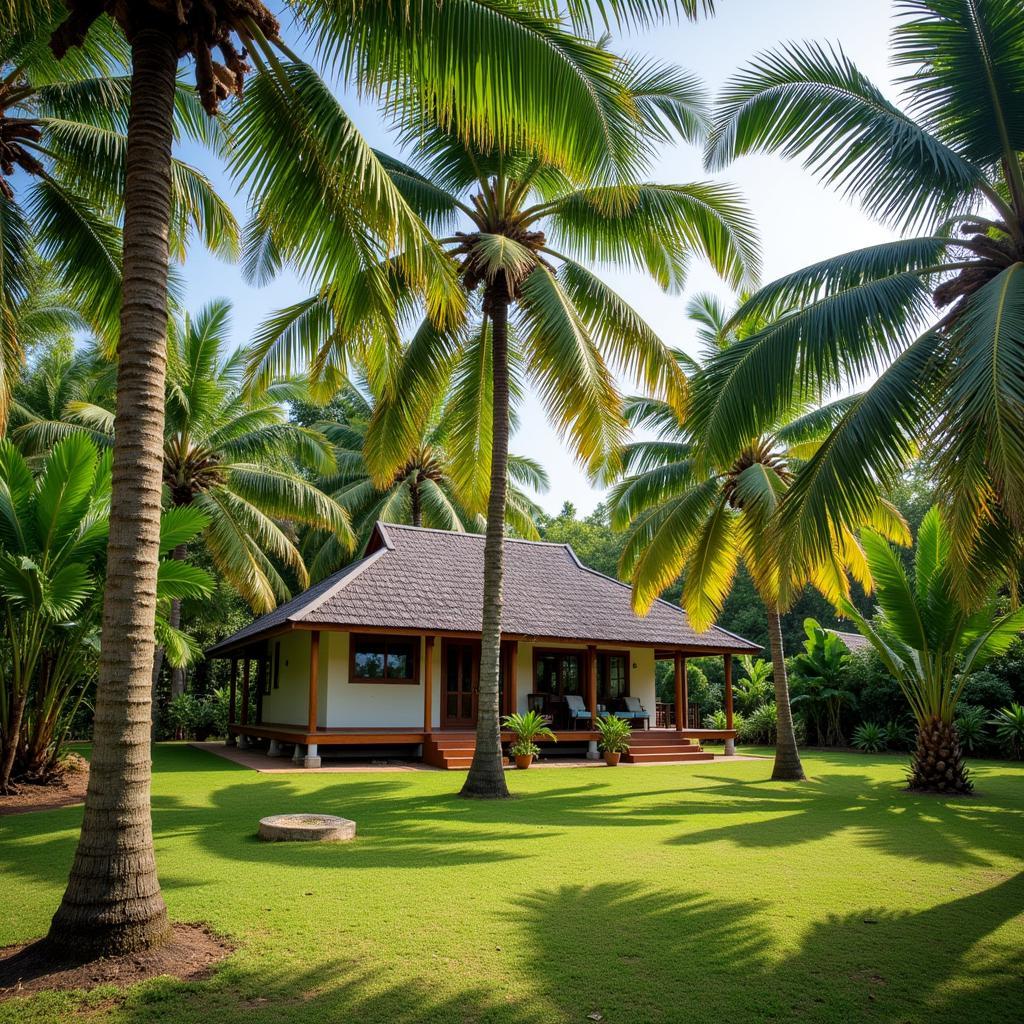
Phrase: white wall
x=358 y=705
x=361 y=705
x=289 y=703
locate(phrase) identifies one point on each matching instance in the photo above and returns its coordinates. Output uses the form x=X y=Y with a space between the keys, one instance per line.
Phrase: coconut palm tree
x=696 y=515
x=477 y=89
x=931 y=644
x=424 y=492
x=522 y=232
x=938 y=315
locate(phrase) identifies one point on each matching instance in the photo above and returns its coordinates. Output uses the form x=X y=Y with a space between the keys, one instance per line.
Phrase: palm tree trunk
x=938 y=763
x=787 y=757
x=13 y=741
x=112 y=904
x=486 y=776
x=415 y=504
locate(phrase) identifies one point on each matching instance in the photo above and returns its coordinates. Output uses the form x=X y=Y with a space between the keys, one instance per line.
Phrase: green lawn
x=647 y=894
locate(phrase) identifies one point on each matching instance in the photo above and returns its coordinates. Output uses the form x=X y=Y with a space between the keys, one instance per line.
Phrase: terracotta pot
x=524 y=760
x=611 y=758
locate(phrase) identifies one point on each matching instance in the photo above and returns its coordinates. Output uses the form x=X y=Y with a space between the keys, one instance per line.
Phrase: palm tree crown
x=425 y=491
x=938 y=314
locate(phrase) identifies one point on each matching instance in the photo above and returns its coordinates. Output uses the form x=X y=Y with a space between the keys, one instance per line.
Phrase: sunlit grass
x=668 y=893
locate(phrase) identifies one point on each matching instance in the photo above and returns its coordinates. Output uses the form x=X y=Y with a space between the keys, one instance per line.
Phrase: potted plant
x=527 y=729
x=614 y=741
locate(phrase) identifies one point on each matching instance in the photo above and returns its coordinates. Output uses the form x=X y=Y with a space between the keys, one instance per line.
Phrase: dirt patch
x=69 y=788
x=190 y=954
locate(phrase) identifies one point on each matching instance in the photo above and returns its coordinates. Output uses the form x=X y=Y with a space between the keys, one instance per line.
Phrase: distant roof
x=853 y=641
x=432 y=581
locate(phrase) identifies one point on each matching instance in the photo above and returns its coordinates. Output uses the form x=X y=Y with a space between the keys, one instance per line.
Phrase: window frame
x=606 y=655
x=384 y=640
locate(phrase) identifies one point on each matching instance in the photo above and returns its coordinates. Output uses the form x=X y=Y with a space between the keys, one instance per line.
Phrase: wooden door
x=461 y=673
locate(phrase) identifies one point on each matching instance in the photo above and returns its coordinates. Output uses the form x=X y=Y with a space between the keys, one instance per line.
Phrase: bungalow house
x=384 y=655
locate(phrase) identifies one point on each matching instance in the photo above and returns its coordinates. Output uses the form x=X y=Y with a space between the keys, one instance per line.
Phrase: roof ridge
x=468 y=535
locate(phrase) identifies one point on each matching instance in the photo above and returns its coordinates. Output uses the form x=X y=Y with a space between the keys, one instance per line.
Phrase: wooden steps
x=663 y=748
x=454 y=750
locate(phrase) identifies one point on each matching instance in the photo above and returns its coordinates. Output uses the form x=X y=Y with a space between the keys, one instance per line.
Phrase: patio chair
x=576 y=709
x=634 y=711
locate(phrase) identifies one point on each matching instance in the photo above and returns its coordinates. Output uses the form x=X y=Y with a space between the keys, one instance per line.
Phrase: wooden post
x=314 y=677
x=428 y=683
x=686 y=693
x=232 y=693
x=680 y=703
x=511 y=678
x=592 y=682
x=245 y=692
x=728 y=691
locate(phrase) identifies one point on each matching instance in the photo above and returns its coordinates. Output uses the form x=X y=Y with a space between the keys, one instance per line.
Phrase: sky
x=798 y=221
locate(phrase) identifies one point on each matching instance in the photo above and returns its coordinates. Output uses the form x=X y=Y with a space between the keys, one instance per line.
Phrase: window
x=557 y=672
x=612 y=677
x=384 y=659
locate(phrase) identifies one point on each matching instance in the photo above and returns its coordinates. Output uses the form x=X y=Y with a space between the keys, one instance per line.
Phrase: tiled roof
x=432 y=580
x=853 y=641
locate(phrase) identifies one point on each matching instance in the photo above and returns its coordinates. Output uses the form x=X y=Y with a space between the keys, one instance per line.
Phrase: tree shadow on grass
x=637 y=956
x=960 y=832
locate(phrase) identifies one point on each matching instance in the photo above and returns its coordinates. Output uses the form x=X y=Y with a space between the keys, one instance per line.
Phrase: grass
x=644 y=894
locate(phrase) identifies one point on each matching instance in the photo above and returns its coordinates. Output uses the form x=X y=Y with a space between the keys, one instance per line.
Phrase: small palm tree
x=237 y=459
x=696 y=514
x=931 y=644
x=938 y=315
x=424 y=492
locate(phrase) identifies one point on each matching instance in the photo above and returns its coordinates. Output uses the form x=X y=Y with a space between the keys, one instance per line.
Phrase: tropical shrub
x=930 y=644
x=53 y=537
x=760 y=727
x=819 y=683
x=877 y=694
x=1009 y=723
x=898 y=734
x=986 y=690
x=970 y=726
x=716 y=720
x=870 y=737
x=755 y=687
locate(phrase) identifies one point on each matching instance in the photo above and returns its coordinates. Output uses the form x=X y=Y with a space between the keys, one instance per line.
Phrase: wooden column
x=314 y=677
x=233 y=693
x=511 y=678
x=728 y=691
x=686 y=693
x=592 y=682
x=245 y=692
x=428 y=683
x=680 y=697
